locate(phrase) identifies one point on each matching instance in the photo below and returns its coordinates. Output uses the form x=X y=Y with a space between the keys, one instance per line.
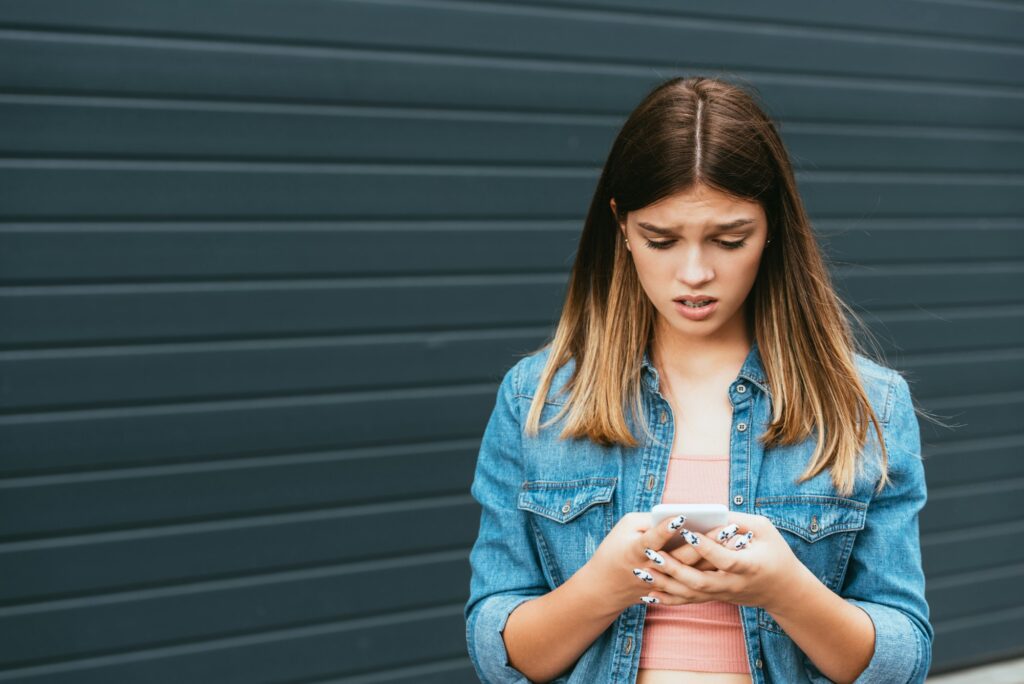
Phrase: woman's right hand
x=622 y=550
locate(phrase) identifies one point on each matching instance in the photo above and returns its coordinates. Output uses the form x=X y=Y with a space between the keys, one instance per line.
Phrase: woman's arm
x=884 y=577
x=547 y=635
x=517 y=628
x=504 y=568
x=837 y=636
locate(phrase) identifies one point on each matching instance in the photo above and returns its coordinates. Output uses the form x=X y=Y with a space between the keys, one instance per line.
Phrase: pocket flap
x=812 y=516
x=564 y=501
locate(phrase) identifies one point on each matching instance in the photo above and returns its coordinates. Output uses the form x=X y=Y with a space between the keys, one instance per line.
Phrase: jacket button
x=741 y=388
x=629 y=645
x=741 y=427
x=664 y=416
x=567 y=507
x=758 y=663
x=738 y=499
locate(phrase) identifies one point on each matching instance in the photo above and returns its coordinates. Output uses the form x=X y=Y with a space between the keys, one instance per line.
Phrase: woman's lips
x=696 y=314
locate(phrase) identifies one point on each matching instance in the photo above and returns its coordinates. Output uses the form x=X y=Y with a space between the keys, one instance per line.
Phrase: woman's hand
x=762 y=574
x=622 y=551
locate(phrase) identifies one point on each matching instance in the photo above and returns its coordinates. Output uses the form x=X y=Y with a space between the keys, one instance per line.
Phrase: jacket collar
x=752 y=370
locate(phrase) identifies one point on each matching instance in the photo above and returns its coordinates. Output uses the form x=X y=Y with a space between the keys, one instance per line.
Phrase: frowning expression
x=699 y=242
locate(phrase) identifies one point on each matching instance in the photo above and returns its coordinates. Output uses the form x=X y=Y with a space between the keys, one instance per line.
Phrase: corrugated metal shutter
x=263 y=263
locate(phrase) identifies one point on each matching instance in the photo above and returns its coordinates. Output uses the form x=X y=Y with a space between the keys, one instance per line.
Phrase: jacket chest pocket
x=569 y=519
x=820 y=529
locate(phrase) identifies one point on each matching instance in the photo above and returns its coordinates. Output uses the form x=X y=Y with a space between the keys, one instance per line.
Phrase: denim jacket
x=547 y=503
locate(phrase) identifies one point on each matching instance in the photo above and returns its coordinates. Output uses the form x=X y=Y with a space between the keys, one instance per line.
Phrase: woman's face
x=692 y=255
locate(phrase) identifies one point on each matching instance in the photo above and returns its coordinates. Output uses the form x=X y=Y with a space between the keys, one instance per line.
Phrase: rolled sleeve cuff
x=486 y=645
x=899 y=649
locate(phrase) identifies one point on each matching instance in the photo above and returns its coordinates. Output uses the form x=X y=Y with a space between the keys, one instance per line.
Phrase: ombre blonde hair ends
x=685 y=132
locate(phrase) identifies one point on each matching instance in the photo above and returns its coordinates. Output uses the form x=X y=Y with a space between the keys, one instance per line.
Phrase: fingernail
x=650 y=599
x=653 y=555
x=677 y=522
x=643 y=574
x=744 y=540
x=728 y=532
x=690 y=537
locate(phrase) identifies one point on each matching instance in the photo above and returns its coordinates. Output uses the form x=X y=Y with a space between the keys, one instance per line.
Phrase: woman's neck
x=707 y=363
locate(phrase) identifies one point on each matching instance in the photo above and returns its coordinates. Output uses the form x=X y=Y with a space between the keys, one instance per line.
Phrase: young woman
x=700 y=314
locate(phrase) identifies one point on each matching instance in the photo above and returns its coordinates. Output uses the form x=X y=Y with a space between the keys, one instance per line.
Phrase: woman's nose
x=695 y=266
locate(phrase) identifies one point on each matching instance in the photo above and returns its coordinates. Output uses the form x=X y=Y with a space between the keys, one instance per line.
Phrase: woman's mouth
x=696 y=311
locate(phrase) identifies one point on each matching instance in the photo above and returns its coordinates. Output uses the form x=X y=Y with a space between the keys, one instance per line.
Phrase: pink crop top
x=707 y=637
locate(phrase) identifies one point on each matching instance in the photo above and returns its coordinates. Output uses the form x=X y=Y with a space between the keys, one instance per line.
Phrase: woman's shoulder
x=893 y=403
x=527 y=373
x=881 y=383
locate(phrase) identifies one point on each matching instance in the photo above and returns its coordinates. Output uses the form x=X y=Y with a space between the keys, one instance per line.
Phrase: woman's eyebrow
x=718 y=228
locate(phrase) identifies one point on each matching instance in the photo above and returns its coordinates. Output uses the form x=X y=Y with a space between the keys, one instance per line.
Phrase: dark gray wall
x=262 y=265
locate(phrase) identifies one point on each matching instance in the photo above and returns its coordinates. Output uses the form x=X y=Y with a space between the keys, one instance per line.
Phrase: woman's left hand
x=765 y=573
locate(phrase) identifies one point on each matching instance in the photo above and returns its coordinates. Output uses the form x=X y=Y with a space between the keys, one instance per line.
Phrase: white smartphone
x=699 y=517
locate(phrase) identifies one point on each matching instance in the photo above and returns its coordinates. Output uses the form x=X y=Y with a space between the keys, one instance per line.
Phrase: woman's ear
x=615 y=216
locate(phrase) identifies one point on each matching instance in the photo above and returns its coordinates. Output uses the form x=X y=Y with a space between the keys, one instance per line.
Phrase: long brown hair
x=685 y=132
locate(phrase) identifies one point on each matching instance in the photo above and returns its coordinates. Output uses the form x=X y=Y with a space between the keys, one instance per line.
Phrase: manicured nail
x=643 y=574
x=728 y=532
x=690 y=537
x=653 y=555
x=677 y=522
x=744 y=540
x=650 y=599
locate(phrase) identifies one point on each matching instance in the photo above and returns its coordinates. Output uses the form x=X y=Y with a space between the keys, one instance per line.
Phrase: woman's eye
x=668 y=243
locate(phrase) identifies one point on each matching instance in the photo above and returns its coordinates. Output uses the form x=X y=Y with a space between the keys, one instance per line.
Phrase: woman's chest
x=574 y=491
x=701 y=427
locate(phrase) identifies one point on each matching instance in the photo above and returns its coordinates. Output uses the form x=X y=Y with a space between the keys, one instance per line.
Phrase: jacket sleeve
x=884 y=576
x=505 y=569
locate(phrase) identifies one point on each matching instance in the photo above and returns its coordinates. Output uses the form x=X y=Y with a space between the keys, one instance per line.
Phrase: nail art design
x=650 y=599
x=728 y=532
x=653 y=555
x=690 y=536
x=643 y=574
x=744 y=540
x=677 y=522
